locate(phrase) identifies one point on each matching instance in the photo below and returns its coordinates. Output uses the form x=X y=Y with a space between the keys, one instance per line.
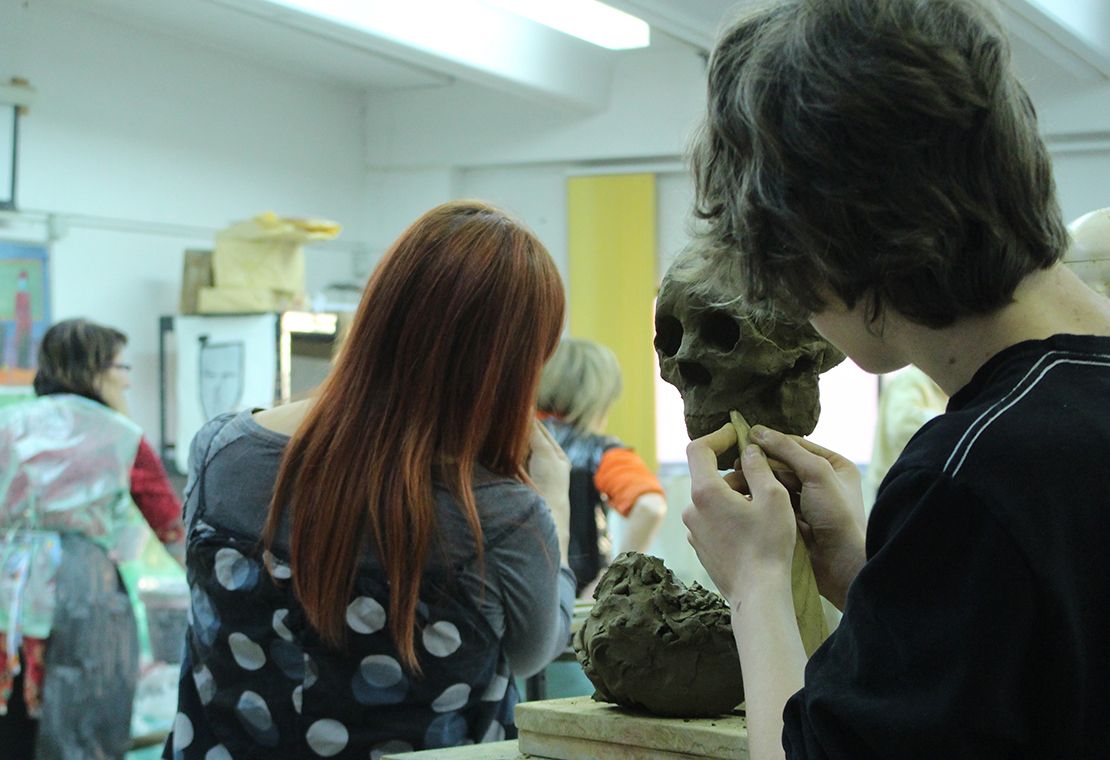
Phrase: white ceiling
x=265 y=40
x=1050 y=55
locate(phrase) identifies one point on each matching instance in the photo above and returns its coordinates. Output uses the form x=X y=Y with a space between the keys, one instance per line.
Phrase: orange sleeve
x=623 y=477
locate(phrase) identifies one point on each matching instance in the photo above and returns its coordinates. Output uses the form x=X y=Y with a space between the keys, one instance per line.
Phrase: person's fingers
x=808 y=465
x=690 y=517
x=785 y=475
x=702 y=456
x=806 y=532
x=737 y=482
x=757 y=471
x=838 y=461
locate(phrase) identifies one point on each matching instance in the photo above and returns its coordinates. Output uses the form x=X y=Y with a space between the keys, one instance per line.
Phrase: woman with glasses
x=73 y=468
x=86 y=359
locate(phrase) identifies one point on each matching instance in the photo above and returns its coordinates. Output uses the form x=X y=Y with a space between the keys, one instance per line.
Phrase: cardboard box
x=221 y=300
x=197 y=274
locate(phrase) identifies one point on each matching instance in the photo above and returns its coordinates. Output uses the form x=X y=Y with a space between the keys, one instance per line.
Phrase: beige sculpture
x=1089 y=254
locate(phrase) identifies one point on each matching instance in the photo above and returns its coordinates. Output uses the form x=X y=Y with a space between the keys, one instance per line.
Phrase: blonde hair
x=580 y=382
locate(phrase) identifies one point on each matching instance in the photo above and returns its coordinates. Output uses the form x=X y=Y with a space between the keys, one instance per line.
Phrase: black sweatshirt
x=980 y=625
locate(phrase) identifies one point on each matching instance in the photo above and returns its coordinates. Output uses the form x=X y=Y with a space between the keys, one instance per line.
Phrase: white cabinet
x=212 y=364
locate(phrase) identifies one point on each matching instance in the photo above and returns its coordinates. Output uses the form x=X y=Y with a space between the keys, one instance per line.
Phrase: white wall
x=656 y=97
x=430 y=145
x=535 y=194
x=150 y=143
x=1082 y=179
x=133 y=126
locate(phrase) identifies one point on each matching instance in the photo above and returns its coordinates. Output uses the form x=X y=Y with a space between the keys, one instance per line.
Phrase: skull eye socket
x=668 y=335
x=720 y=330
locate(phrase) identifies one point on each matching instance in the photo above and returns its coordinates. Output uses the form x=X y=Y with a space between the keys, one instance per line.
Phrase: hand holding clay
x=831 y=518
x=737 y=537
x=549 y=469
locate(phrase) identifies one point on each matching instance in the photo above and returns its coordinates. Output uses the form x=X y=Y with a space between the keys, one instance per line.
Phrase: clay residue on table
x=650 y=642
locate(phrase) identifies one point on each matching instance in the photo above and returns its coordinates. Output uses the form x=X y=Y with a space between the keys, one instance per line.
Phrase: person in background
x=86 y=359
x=907 y=400
x=875 y=166
x=371 y=567
x=74 y=468
x=579 y=386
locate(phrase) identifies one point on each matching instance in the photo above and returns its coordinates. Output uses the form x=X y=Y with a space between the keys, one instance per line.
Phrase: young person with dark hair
x=371 y=567
x=875 y=166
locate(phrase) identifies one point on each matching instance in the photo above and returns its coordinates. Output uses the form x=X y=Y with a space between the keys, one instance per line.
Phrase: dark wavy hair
x=879 y=151
x=73 y=353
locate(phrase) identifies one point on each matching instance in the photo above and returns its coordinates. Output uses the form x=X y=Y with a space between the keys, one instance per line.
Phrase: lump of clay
x=650 y=642
x=721 y=356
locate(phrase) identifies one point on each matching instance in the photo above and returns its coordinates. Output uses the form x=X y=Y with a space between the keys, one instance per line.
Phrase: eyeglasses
x=120 y=365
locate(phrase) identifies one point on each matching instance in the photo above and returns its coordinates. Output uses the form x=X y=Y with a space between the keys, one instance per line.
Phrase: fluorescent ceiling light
x=588 y=20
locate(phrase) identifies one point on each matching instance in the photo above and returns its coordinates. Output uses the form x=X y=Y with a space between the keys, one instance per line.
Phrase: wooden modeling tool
x=807 y=601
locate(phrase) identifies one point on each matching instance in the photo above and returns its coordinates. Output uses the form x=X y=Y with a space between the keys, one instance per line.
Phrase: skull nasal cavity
x=668 y=335
x=694 y=374
x=720 y=330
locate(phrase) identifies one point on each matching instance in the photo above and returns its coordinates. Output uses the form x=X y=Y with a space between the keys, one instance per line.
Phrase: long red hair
x=439 y=372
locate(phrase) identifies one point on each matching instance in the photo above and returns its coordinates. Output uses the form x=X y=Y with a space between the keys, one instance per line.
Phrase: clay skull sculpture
x=721 y=356
x=651 y=642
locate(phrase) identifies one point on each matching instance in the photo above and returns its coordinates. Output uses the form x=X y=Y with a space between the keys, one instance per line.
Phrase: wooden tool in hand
x=812 y=625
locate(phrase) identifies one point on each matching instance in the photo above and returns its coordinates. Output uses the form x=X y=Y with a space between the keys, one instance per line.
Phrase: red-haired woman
x=370 y=568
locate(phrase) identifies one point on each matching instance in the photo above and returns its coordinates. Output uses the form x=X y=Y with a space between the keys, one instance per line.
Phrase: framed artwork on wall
x=24 y=312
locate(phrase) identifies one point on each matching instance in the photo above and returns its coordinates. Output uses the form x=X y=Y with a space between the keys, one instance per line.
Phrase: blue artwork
x=24 y=310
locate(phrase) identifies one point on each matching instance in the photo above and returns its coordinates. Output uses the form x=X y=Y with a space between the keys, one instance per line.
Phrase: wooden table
x=578 y=727
x=493 y=751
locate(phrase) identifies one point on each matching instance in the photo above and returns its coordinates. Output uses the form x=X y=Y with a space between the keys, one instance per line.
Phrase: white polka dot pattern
x=247 y=654
x=452 y=698
x=278 y=569
x=365 y=615
x=327 y=737
x=310 y=672
x=380 y=680
x=446 y=730
x=298 y=699
x=442 y=639
x=254 y=716
x=495 y=733
x=206 y=684
x=234 y=571
x=182 y=732
x=381 y=670
x=496 y=689
x=392 y=747
x=219 y=752
x=279 y=624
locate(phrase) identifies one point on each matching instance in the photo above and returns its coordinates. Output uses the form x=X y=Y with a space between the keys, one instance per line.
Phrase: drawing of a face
x=221 y=376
